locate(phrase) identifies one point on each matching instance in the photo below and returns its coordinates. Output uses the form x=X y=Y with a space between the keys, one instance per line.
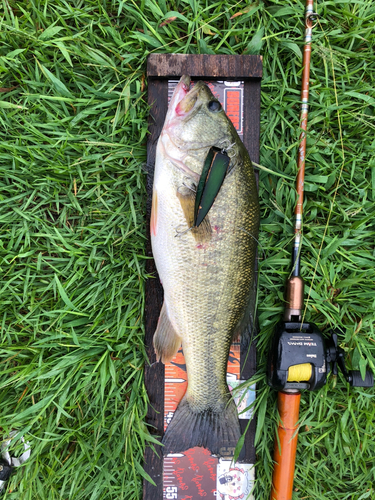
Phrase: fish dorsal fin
x=202 y=234
x=166 y=340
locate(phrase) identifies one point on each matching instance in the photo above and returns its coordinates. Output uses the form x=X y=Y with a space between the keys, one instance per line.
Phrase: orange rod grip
x=285 y=446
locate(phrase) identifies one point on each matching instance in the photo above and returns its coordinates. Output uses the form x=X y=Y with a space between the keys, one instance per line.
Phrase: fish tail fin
x=215 y=431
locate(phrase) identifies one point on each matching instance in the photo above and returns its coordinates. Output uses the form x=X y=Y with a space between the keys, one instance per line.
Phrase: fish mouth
x=181 y=90
x=188 y=101
x=184 y=98
x=182 y=103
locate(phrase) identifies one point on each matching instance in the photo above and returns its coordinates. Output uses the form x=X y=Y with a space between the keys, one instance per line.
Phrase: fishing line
x=258 y=242
x=338 y=180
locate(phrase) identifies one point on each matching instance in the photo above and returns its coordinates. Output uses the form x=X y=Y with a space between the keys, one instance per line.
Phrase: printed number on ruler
x=171 y=492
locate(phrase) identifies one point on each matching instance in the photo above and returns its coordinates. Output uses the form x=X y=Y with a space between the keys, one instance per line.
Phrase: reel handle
x=355 y=379
x=336 y=355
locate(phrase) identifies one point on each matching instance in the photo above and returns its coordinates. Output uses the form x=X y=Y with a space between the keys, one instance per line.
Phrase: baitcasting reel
x=300 y=359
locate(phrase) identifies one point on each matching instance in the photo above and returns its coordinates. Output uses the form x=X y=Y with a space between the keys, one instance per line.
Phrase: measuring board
x=195 y=473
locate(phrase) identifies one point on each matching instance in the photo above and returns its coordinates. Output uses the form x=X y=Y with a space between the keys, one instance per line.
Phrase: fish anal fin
x=166 y=340
x=202 y=234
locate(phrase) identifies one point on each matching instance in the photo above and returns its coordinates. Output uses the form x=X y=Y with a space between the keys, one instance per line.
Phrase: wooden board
x=205 y=66
x=160 y=68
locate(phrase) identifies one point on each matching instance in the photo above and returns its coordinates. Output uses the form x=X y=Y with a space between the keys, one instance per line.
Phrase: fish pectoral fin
x=202 y=234
x=166 y=341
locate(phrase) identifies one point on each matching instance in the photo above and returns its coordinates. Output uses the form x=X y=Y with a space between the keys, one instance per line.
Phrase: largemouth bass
x=207 y=272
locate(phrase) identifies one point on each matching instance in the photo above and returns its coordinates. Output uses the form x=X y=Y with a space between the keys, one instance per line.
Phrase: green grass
x=72 y=211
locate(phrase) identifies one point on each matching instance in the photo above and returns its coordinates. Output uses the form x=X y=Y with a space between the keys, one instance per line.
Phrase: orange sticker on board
x=233 y=109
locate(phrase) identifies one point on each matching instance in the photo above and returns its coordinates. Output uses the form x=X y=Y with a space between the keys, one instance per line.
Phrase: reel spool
x=300 y=373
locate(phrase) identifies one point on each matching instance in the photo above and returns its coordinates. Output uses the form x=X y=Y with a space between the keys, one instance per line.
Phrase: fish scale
x=217 y=313
x=208 y=274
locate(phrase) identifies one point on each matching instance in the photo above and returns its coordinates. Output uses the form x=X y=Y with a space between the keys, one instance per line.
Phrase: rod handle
x=285 y=446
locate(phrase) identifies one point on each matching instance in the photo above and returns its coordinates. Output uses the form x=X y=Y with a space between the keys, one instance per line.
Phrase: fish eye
x=214 y=106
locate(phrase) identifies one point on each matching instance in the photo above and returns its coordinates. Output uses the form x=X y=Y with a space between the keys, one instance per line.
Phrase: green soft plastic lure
x=213 y=174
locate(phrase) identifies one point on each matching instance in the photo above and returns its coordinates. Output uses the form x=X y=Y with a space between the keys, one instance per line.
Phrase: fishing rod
x=300 y=357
